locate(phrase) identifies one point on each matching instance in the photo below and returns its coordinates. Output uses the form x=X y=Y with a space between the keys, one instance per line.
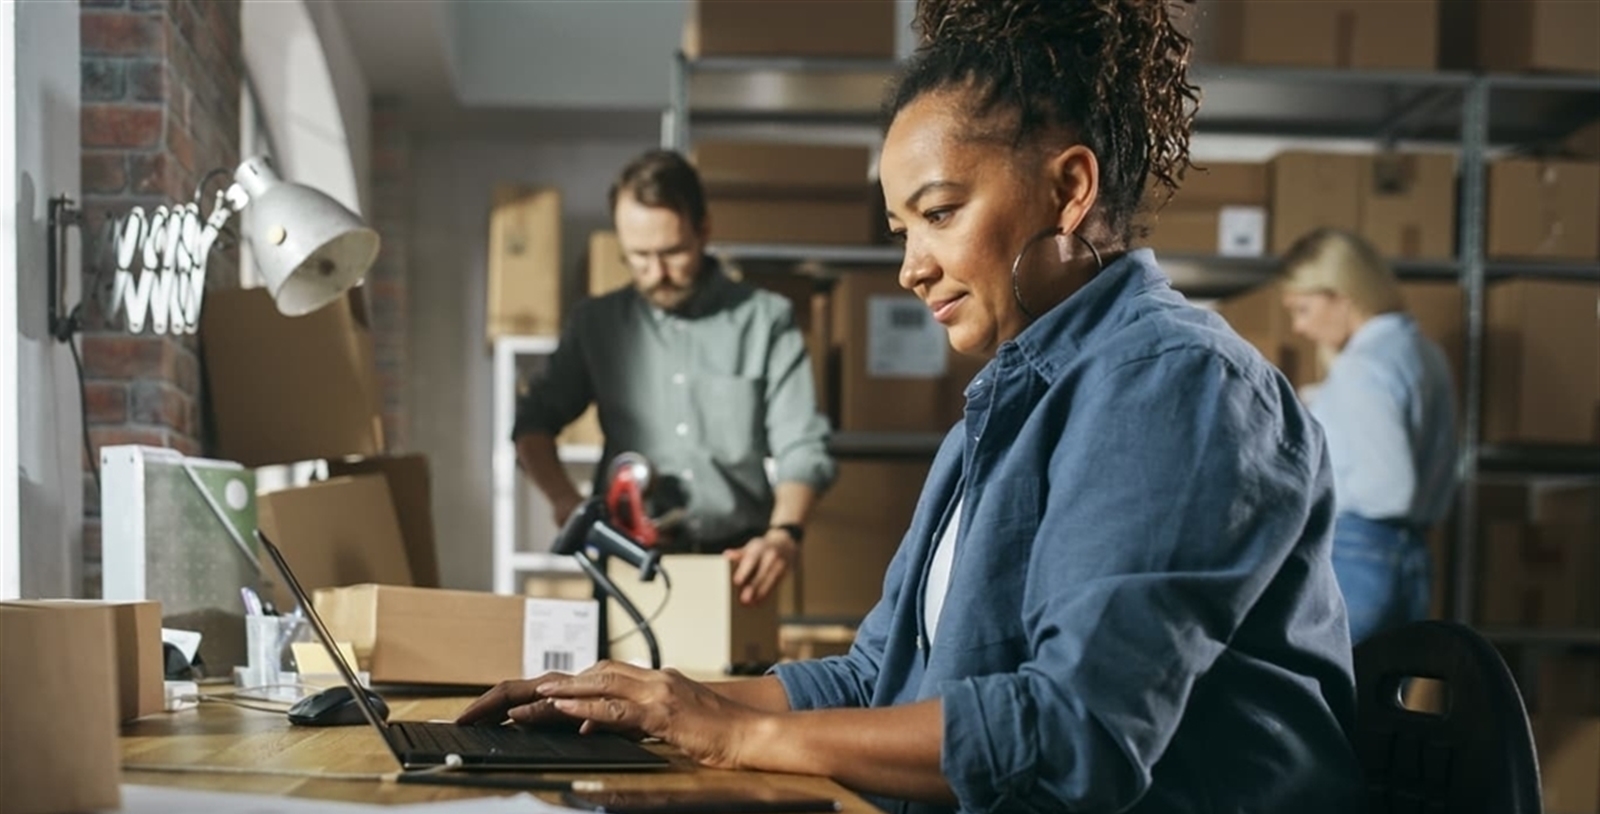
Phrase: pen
x=252 y=602
x=497 y=781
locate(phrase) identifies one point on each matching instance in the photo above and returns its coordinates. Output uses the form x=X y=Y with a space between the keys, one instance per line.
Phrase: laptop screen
x=345 y=671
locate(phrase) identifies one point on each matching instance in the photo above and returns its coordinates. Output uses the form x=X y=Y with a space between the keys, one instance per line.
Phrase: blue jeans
x=1384 y=571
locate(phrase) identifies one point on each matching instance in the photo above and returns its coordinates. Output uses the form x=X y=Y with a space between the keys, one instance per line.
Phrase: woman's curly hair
x=1111 y=73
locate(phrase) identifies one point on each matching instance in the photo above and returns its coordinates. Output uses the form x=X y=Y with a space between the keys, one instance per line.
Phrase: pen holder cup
x=267 y=639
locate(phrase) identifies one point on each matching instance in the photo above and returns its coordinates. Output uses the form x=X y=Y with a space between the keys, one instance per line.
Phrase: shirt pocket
x=731 y=415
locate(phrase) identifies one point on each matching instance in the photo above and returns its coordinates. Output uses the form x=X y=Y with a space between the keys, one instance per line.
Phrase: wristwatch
x=796 y=532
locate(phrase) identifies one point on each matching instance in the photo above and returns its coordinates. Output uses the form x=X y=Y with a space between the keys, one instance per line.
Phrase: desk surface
x=225 y=735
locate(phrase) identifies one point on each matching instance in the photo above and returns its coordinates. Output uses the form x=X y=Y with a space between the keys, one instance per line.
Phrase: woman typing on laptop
x=1116 y=592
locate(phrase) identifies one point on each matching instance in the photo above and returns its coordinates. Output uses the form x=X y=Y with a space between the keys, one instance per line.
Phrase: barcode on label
x=908 y=316
x=560 y=660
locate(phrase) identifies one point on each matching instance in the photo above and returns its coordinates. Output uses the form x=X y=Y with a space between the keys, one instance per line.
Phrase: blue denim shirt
x=1388 y=409
x=1141 y=615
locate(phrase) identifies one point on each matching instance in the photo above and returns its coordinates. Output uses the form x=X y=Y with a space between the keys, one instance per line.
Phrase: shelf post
x=1474 y=144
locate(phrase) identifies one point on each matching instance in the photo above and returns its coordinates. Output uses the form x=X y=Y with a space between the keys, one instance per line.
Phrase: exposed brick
x=180 y=145
x=188 y=371
x=117 y=356
x=91 y=493
x=147 y=81
x=159 y=403
x=104 y=172
x=102 y=79
x=118 y=436
x=120 y=125
x=119 y=33
x=107 y=401
x=186 y=445
x=152 y=174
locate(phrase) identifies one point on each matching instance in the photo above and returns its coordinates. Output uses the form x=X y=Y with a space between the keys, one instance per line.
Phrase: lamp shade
x=308 y=247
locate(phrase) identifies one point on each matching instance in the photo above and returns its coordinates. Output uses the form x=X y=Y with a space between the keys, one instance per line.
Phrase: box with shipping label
x=1542 y=362
x=411 y=494
x=433 y=636
x=1569 y=762
x=608 y=269
x=897 y=371
x=286 y=389
x=58 y=710
x=863 y=29
x=1225 y=231
x=340 y=531
x=1408 y=205
x=179 y=531
x=1397 y=34
x=1543 y=210
x=853 y=534
x=1314 y=190
x=702 y=627
x=524 y=262
x=136 y=643
x=1516 y=36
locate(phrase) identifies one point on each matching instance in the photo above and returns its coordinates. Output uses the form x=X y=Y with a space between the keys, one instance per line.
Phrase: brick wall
x=386 y=281
x=160 y=97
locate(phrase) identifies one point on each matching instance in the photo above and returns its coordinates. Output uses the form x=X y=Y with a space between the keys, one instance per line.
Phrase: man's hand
x=761 y=564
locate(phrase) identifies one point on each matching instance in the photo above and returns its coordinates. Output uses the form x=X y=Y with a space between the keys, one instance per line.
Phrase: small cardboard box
x=432 y=636
x=1544 y=210
x=1259 y=316
x=524 y=262
x=411 y=493
x=702 y=627
x=340 y=531
x=286 y=389
x=1439 y=311
x=1312 y=190
x=733 y=165
x=1408 y=205
x=825 y=28
x=783 y=217
x=1396 y=34
x=1569 y=763
x=1538 y=574
x=608 y=269
x=1542 y=362
x=897 y=371
x=1226 y=231
x=58 y=710
x=1236 y=183
x=853 y=534
x=136 y=641
x=1515 y=36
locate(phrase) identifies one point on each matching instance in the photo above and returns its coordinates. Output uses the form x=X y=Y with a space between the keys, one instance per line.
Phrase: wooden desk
x=225 y=735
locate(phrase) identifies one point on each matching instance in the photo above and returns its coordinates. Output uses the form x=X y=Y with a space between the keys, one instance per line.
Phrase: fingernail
x=545 y=688
x=563 y=704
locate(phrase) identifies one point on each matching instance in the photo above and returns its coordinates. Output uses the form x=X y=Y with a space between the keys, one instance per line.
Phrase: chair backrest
x=1474 y=754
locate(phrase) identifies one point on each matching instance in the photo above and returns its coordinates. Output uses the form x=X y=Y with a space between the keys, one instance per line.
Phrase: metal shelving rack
x=1473 y=113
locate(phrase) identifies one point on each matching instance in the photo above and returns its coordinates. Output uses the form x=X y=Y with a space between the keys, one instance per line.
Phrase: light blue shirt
x=1141 y=613
x=1388 y=411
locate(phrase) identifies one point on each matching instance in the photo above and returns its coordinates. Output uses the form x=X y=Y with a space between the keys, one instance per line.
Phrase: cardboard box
x=1408 y=205
x=1312 y=190
x=735 y=165
x=830 y=28
x=1396 y=34
x=1223 y=183
x=58 y=711
x=340 y=531
x=583 y=431
x=431 y=636
x=1584 y=142
x=1543 y=210
x=411 y=494
x=809 y=297
x=1226 y=231
x=286 y=389
x=897 y=371
x=136 y=643
x=1542 y=362
x=1439 y=310
x=702 y=627
x=1576 y=505
x=1259 y=316
x=1569 y=763
x=1513 y=36
x=608 y=269
x=524 y=262
x=1569 y=684
x=1538 y=575
x=853 y=534
x=779 y=218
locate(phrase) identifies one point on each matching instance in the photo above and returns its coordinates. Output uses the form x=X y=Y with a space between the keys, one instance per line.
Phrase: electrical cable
x=83 y=415
x=666 y=582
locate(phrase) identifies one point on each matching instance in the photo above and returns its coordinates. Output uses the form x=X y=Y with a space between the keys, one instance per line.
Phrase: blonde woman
x=1388 y=410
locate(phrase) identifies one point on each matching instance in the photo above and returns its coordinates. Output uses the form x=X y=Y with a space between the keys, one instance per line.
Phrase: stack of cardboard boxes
x=768 y=192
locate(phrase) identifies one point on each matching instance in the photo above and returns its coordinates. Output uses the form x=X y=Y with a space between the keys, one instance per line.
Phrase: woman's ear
x=1075 y=173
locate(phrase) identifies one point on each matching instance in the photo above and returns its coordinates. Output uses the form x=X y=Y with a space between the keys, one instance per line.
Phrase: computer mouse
x=335 y=706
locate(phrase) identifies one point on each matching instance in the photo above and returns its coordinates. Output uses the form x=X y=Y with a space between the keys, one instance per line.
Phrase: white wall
x=10 y=553
x=49 y=479
x=312 y=95
x=449 y=396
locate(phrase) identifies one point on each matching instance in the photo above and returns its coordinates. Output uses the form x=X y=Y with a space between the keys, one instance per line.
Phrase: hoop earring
x=1054 y=231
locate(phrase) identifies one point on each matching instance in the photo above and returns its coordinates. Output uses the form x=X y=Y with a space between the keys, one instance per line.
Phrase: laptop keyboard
x=510 y=744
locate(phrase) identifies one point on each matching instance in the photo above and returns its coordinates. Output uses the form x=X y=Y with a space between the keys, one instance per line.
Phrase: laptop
x=421 y=745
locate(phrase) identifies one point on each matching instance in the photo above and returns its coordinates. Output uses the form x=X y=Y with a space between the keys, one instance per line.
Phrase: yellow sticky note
x=312 y=658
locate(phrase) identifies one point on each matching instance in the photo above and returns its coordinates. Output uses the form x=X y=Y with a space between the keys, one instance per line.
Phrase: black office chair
x=1473 y=755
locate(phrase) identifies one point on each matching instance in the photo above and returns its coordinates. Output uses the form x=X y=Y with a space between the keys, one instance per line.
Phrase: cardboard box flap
x=341 y=531
x=411 y=490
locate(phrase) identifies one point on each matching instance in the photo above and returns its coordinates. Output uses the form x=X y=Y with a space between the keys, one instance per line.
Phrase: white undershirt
x=944 y=554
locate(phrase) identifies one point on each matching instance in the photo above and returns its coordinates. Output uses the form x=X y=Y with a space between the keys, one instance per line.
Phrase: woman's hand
x=706 y=726
x=495 y=706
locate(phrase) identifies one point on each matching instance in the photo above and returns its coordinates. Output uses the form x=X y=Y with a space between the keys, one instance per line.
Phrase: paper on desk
x=164 y=800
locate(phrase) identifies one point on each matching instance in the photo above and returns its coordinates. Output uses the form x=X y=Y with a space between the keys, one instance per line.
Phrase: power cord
x=666 y=582
x=83 y=416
